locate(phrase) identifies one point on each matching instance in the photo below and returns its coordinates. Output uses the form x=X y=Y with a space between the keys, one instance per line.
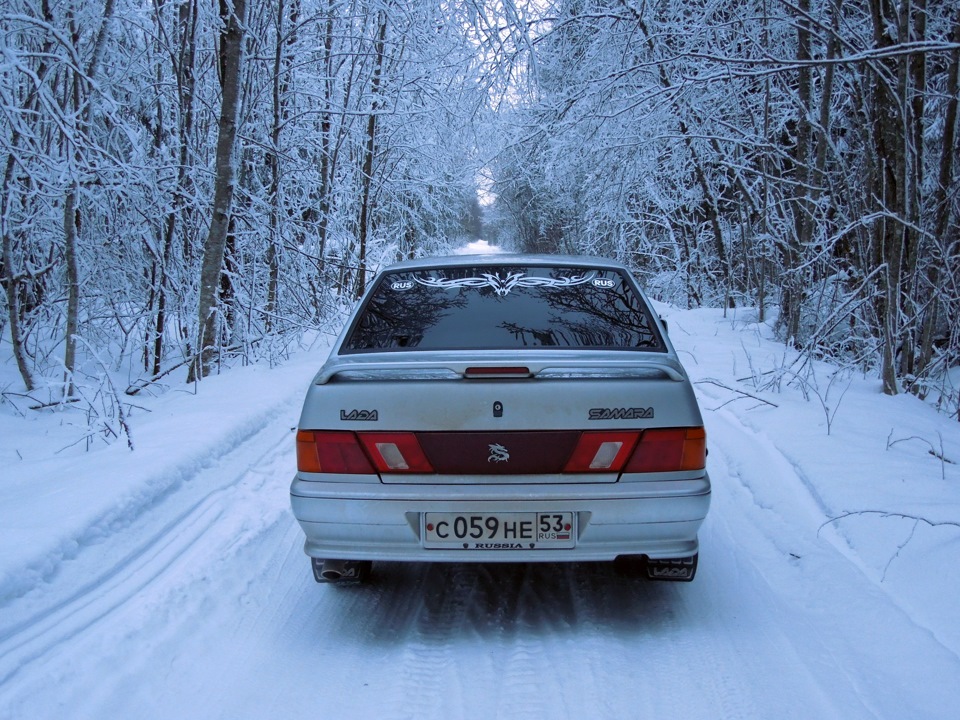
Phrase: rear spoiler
x=378 y=369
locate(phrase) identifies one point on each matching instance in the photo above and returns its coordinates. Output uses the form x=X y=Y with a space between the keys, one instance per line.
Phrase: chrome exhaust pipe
x=333 y=570
x=345 y=571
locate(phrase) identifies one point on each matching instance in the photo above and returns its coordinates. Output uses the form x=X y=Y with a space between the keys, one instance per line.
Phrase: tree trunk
x=327 y=152
x=941 y=204
x=81 y=95
x=712 y=212
x=886 y=112
x=913 y=82
x=70 y=213
x=180 y=210
x=11 y=279
x=279 y=117
x=369 y=151
x=231 y=61
x=73 y=152
x=793 y=284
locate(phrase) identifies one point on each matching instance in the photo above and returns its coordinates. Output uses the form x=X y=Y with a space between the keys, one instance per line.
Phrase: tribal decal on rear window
x=503 y=285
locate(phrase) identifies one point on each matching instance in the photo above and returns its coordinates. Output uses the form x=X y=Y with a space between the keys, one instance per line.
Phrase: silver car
x=500 y=408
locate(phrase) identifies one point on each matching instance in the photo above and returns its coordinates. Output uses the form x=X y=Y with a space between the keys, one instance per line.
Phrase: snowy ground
x=169 y=582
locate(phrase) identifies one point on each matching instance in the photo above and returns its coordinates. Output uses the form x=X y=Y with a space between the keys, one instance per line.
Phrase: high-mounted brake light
x=497 y=372
x=395 y=452
x=669 y=449
x=331 y=452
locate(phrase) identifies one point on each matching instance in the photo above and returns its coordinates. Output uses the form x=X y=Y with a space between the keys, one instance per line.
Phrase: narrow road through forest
x=203 y=606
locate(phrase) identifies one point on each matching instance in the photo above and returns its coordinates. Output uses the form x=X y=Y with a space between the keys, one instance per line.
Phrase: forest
x=192 y=184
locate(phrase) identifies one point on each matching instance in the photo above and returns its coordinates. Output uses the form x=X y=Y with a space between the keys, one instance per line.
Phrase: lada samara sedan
x=502 y=408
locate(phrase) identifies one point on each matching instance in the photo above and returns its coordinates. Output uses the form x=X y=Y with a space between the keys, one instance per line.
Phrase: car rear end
x=502 y=409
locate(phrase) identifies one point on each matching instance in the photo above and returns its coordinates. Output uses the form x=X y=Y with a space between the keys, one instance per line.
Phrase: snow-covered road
x=199 y=603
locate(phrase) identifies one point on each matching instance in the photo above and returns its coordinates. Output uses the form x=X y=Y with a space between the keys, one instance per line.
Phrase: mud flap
x=676 y=570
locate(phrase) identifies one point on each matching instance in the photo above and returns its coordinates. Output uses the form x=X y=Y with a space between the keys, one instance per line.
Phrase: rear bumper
x=357 y=521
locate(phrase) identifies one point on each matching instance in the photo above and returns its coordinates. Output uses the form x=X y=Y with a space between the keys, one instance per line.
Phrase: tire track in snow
x=154 y=490
x=527 y=679
x=478 y=631
x=94 y=592
x=793 y=500
x=848 y=633
x=648 y=653
x=427 y=674
x=524 y=654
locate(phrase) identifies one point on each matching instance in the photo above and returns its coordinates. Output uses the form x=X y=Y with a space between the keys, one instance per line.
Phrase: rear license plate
x=499 y=531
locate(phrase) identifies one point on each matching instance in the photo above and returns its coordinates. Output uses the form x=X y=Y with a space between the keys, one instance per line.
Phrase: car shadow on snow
x=442 y=601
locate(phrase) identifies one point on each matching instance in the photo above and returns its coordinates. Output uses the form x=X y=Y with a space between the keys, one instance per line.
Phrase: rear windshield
x=502 y=308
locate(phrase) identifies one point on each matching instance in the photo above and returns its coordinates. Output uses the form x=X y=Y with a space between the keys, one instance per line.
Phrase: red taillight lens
x=601 y=452
x=396 y=452
x=670 y=449
x=331 y=452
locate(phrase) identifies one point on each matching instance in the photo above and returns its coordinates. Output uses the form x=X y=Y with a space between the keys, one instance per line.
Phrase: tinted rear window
x=498 y=308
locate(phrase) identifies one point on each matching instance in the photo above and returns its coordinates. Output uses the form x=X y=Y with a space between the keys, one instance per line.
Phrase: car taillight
x=395 y=452
x=669 y=449
x=601 y=452
x=331 y=452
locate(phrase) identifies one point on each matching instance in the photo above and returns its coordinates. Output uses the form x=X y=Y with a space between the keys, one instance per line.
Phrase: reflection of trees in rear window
x=603 y=316
x=473 y=309
x=400 y=319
